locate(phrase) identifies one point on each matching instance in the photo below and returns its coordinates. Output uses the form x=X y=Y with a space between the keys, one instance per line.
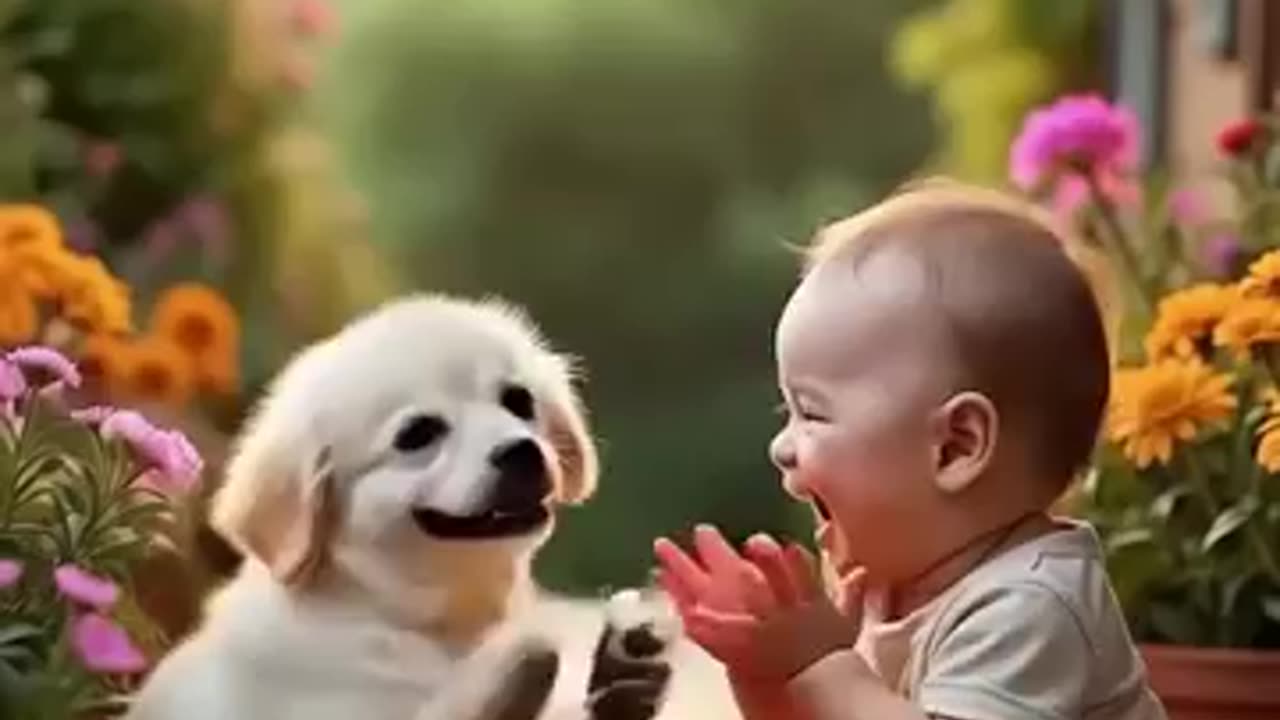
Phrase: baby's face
x=861 y=371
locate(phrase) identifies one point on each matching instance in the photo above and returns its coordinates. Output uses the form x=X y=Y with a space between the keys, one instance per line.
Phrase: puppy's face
x=428 y=422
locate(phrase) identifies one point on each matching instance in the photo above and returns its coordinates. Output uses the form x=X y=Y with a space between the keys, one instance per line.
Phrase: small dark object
x=526 y=694
x=629 y=677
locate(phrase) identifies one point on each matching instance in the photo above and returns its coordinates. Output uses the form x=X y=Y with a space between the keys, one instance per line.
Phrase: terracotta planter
x=1215 y=684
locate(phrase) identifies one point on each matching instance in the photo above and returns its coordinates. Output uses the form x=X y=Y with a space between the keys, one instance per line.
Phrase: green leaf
x=1271 y=607
x=17 y=633
x=1162 y=507
x=1228 y=522
x=1130 y=537
x=1176 y=623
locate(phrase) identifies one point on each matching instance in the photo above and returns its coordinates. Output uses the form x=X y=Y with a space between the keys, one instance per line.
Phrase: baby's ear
x=277 y=503
x=965 y=431
x=570 y=435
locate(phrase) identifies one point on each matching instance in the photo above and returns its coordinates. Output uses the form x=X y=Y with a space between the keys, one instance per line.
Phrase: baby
x=945 y=368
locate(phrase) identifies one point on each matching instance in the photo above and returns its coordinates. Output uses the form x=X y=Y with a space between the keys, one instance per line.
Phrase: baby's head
x=945 y=368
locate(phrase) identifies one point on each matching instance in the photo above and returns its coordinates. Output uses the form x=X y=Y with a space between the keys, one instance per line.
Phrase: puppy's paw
x=631 y=669
x=527 y=684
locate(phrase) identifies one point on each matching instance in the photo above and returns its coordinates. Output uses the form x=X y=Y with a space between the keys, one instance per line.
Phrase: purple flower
x=1082 y=132
x=104 y=646
x=169 y=452
x=1221 y=255
x=85 y=588
x=47 y=364
x=10 y=572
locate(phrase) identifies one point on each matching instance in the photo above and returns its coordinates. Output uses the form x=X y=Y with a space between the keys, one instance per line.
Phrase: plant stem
x=1118 y=241
x=1266 y=558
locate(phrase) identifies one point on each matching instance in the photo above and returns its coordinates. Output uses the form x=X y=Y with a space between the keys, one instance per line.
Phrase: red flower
x=1239 y=137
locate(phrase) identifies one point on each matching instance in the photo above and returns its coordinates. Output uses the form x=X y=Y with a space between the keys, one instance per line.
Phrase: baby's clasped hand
x=765 y=616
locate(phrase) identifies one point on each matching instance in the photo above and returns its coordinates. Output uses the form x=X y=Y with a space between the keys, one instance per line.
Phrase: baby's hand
x=765 y=623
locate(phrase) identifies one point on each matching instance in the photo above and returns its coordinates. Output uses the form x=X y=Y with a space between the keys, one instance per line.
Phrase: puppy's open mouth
x=489 y=524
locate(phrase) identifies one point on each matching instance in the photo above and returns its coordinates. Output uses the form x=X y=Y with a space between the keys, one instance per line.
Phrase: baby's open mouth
x=821 y=508
x=489 y=524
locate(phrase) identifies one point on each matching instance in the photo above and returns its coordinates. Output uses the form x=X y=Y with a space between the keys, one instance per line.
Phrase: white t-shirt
x=1034 y=633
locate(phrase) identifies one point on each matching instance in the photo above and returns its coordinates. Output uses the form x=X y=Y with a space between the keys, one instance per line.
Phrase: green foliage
x=70 y=496
x=987 y=62
x=629 y=171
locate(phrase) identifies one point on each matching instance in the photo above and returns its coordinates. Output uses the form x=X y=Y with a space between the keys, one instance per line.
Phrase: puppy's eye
x=419 y=431
x=518 y=401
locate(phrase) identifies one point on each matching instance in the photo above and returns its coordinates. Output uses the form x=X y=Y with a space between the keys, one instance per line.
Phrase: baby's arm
x=842 y=687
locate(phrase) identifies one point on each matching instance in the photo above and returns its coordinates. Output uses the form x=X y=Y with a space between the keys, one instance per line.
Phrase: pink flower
x=10 y=572
x=312 y=18
x=102 y=159
x=48 y=366
x=1080 y=132
x=1072 y=192
x=1187 y=207
x=85 y=588
x=92 y=416
x=168 y=452
x=104 y=646
x=13 y=383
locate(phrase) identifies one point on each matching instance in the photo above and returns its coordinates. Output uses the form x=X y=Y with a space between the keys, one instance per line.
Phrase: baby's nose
x=782 y=452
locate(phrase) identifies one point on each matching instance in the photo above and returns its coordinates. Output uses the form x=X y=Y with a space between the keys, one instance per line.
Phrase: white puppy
x=388 y=497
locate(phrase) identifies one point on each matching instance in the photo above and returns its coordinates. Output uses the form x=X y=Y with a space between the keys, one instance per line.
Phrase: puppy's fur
x=380 y=581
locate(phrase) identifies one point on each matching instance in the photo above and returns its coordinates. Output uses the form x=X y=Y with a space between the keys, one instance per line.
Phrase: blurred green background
x=633 y=172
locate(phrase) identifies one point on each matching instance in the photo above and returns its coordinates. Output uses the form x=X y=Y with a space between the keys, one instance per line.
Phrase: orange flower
x=90 y=296
x=1268 y=452
x=1250 y=321
x=1185 y=320
x=1157 y=405
x=1263 y=279
x=103 y=359
x=156 y=370
x=19 y=317
x=29 y=228
x=201 y=322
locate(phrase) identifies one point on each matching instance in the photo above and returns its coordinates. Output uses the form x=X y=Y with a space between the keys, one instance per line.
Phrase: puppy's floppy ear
x=570 y=435
x=277 y=503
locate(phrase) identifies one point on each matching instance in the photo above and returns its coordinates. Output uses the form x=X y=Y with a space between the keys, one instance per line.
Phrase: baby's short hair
x=1018 y=301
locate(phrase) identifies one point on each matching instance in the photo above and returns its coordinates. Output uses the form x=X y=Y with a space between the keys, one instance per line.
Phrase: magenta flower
x=10 y=572
x=48 y=366
x=168 y=452
x=1078 y=132
x=104 y=646
x=85 y=588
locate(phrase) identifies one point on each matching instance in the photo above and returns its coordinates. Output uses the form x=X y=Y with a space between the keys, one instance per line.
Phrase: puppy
x=388 y=496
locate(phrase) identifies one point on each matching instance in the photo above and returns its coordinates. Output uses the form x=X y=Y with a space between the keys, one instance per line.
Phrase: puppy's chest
x=372 y=675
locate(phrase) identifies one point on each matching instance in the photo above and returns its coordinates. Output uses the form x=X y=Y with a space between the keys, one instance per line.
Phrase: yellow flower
x=27 y=228
x=154 y=369
x=1156 y=405
x=1263 y=279
x=1250 y=321
x=1268 y=453
x=201 y=322
x=1185 y=320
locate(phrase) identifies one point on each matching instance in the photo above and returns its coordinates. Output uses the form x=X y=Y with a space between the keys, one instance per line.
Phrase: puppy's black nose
x=523 y=479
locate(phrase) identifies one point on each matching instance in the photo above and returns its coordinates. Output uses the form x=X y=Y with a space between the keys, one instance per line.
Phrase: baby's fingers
x=804 y=569
x=680 y=575
x=765 y=553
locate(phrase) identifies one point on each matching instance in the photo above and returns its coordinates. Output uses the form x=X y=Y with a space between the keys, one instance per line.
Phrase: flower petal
x=10 y=572
x=85 y=588
x=104 y=646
